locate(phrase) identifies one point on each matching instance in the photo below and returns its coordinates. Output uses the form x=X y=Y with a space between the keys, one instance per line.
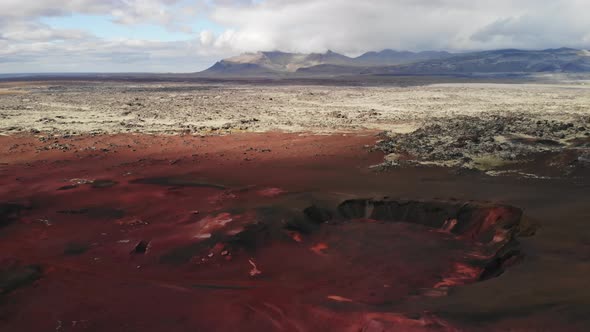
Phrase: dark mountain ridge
x=390 y=62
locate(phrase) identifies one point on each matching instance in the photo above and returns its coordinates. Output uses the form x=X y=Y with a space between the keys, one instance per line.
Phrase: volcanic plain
x=134 y=206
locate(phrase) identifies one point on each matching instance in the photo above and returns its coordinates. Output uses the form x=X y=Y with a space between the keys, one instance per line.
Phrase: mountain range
x=390 y=62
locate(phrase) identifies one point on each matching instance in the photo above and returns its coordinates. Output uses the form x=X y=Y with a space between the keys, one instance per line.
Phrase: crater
x=368 y=252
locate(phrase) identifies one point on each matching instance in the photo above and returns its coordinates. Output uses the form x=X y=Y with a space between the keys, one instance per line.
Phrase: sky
x=190 y=35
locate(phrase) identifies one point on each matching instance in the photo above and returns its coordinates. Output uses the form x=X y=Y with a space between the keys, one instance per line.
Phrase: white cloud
x=357 y=26
x=19 y=32
x=124 y=11
x=95 y=54
x=206 y=38
x=554 y=25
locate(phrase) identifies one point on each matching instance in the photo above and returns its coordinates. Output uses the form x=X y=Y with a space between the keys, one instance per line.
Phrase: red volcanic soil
x=246 y=232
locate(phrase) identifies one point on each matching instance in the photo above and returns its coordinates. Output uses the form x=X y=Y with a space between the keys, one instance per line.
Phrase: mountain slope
x=500 y=61
x=275 y=63
x=391 y=57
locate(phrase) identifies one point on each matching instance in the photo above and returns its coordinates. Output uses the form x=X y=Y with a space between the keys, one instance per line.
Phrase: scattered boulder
x=76 y=248
x=9 y=213
x=141 y=248
x=15 y=277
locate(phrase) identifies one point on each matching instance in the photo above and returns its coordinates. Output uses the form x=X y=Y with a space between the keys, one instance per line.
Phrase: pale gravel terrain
x=203 y=109
x=490 y=127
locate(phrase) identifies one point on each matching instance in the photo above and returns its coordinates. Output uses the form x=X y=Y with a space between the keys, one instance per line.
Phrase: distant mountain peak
x=250 y=57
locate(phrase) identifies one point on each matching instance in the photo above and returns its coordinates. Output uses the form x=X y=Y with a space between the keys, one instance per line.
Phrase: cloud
x=123 y=11
x=161 y=12
x=33 y=9
x=98 y=55
x=355 y=26
x=554 y=25
x=206 y=38
x=28 y=43
x=19 y=32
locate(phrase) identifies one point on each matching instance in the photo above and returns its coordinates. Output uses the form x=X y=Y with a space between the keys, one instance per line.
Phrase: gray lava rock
x=463 y=138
